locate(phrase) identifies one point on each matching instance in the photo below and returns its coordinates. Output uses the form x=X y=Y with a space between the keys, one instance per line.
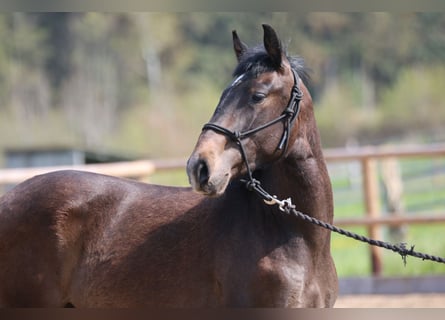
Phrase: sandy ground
x=391 y=301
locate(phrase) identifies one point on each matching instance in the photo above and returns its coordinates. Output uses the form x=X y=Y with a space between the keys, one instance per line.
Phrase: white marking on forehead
x=238 y=80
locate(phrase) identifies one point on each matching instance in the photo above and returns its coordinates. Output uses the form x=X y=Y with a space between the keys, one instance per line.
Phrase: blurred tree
x=59 y=46
x=29 y=89
x=4 y=60
x=429 y=45
x=98 y=66
x=158 y=36
x=91 y=92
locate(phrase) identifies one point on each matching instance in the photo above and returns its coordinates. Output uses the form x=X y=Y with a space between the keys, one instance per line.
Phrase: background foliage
x=143 y=83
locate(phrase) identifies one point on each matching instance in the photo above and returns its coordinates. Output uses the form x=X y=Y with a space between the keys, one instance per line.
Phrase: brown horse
x=89 y=240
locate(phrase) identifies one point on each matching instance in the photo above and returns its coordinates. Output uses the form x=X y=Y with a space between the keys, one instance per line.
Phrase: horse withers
x=89 y=240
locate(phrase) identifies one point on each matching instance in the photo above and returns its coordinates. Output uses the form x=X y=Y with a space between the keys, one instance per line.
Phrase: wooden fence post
x=372 y=207
x=393 y=186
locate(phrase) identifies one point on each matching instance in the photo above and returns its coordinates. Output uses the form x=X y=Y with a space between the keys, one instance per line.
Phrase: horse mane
x=256 y=61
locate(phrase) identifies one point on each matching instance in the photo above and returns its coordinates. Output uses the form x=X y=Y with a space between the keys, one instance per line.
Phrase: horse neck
x=302 y=174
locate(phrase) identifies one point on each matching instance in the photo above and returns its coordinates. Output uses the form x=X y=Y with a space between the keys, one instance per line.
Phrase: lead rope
x=287 y=207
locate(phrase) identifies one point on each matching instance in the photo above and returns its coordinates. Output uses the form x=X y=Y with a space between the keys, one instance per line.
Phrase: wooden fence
x=367 y=157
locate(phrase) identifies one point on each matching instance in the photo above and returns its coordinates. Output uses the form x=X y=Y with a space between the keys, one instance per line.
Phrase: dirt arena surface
x=391 y=301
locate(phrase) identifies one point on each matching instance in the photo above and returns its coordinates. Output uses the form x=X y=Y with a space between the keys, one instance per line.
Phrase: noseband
x=289 y=114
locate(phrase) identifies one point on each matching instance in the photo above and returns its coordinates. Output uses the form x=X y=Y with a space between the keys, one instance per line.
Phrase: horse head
x=254 y=120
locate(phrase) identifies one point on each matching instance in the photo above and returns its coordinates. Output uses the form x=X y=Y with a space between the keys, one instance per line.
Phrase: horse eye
x=257 y=97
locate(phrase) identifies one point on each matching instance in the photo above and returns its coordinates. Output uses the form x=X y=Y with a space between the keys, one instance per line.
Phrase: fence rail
x=130 y=169
x=367 y=157
x=363 y=153
x=144 y=168
x=397 y=220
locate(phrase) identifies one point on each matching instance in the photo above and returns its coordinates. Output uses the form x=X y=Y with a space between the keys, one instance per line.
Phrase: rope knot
x=252 y=184
x=404 y=251
x=289 y=112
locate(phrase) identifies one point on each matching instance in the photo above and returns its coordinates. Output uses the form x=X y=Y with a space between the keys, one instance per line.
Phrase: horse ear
x=238 y=45
x=272 y=45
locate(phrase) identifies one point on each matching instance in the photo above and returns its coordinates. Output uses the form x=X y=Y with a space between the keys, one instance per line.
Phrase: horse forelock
x=256 y=61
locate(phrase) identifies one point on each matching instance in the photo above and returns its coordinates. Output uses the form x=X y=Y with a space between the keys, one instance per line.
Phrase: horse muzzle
x=206 y=178
x=209 y=167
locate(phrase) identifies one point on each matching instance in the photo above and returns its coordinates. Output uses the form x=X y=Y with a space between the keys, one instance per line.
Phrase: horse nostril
x=202 y=173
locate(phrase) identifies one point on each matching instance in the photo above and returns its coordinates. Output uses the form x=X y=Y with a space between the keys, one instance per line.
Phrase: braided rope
x=287 y=207
x=400 y=248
